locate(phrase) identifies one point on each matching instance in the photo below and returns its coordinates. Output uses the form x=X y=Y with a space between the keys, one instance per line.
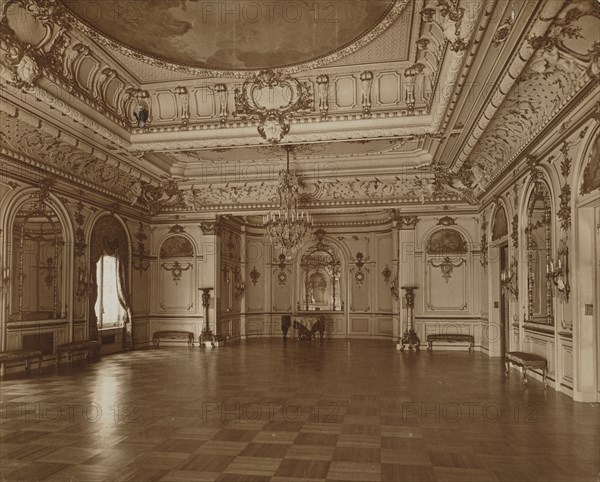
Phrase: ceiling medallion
x=273 y=98
x=288 y=227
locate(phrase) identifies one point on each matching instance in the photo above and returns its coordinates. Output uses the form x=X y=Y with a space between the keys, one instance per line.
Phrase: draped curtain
x=108 y=237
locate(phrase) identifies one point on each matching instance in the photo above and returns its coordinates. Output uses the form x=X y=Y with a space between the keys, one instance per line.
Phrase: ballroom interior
x=325 y=240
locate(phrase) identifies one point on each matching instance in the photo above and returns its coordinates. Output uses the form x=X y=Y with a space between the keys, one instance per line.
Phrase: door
x=504 y=304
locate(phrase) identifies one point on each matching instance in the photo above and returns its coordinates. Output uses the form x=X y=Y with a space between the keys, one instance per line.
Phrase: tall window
x=109 y=309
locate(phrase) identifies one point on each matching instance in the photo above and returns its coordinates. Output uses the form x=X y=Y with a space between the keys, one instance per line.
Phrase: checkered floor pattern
x=265 y=411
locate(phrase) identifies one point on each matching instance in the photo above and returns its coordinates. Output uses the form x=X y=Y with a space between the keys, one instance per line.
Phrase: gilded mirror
x=539 y=243
x=37 y=263
x=320 y=267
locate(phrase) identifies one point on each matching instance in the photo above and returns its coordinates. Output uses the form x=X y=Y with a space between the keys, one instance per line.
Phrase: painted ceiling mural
x=229 y=34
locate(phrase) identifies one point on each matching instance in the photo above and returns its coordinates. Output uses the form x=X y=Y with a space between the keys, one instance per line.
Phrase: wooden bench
x=527 y=361
x=172 y=335
x=87 y=346
x=21 y=355
x=451 y=338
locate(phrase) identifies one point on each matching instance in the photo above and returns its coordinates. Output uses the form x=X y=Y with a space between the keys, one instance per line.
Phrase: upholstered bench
x=172 y=335
x=21 y=355
x=451 y=338
x=527 y=361
x=87 y=346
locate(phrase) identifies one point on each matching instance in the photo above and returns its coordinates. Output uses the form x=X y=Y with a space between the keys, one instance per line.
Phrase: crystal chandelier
x=288 y=227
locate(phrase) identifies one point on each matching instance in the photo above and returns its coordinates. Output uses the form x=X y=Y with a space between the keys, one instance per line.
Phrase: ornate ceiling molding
x=273 y=98
x=32 y=141
x=504 y=85
x=551 y=79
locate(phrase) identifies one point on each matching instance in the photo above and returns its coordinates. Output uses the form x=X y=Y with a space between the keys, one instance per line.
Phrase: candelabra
x=558 y=272
x=509 y=279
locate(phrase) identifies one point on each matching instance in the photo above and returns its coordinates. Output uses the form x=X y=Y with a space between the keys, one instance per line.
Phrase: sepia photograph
x=300 y=240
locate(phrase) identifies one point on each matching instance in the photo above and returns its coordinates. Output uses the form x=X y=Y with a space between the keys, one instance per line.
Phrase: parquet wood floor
x=260 y=411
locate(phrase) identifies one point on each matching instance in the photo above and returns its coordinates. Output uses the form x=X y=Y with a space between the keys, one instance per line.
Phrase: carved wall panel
x=388 y=88
x=446 y=272
x=175 y=287
x=166 y=106
x=203 y=104
x=360 y=293
x=255 y=276
x=446 y=295
x=384 y=326
x=345 y=92
x=281 y=292
x=177 y=275
x=87 y=68
x=112 y=89
x=384 y=258
x=359 y=326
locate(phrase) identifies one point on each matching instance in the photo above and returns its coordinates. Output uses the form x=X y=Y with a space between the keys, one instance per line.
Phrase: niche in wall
x=446 y=272
x=37 y=267
x=539 y=254
x=320 y=268
x=500 y=226
x=176 y=278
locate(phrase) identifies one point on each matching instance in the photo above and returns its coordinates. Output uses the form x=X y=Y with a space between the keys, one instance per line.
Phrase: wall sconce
x=394 y=288
x=282 y=275
x=239 y=288
x=359 y=276
x=509 y=278
x=5 y=276
x=559 y=272
x=239 y=284
x=386 y=273
x=254 y=275
x=141 y=114
x=83 y=283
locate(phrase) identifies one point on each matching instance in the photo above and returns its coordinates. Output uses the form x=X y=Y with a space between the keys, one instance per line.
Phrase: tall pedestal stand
x=206 y=337
x=410 y=337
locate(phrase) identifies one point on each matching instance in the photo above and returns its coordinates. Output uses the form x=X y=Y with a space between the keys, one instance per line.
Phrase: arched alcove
x=500 y=224
x=321 y=271
x=37 y=263
x=176 y=274
x=539 y=242
x=447 y=268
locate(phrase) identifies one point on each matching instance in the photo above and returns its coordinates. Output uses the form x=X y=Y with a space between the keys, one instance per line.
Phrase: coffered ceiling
x=416 y=103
